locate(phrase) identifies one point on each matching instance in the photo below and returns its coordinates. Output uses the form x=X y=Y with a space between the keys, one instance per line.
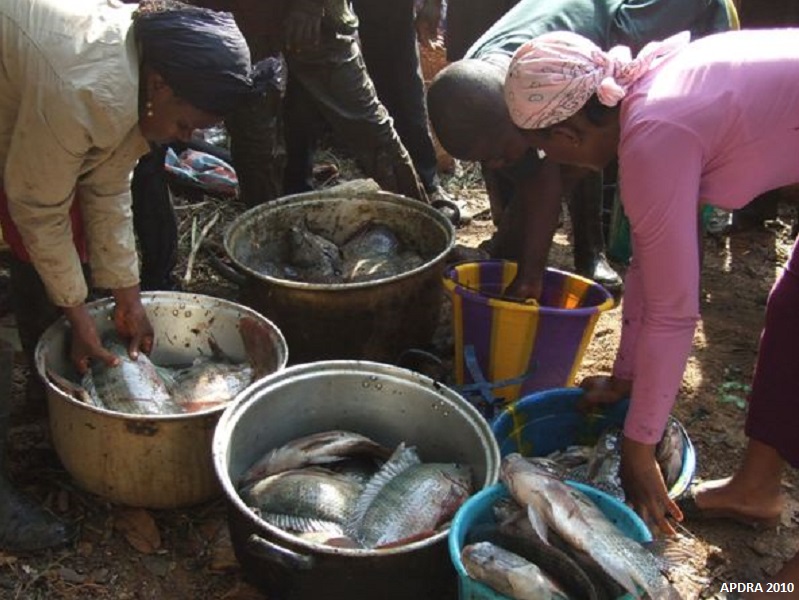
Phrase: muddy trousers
x=388 y=41
x=332 y=81
x=773 y=413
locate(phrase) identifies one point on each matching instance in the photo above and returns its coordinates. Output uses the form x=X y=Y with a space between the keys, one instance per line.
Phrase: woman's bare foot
x=753 y=493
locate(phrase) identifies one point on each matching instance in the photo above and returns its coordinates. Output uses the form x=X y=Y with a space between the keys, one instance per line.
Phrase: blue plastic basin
x=477 y=511
x=552 y=420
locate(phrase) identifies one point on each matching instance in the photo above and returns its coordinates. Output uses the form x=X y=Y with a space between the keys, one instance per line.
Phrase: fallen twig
x=196 y=243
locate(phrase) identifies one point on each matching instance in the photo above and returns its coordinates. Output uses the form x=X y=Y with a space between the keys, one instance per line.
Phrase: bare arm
x=541 y=194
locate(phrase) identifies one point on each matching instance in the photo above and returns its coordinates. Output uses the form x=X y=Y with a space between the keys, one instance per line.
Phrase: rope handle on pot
x=482 y=389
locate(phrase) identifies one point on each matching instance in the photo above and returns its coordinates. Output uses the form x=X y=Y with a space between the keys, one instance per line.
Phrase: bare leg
x=753 y=491
x=788 y=574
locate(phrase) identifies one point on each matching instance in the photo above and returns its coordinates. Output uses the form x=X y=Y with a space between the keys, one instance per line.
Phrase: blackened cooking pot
x=390 y=405
x=372 y=320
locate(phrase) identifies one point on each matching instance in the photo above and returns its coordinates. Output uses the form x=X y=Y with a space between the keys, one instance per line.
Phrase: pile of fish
x=550 y=541
x=374 y=251
x=141 y=387
x=598 y=465
x=343 y=489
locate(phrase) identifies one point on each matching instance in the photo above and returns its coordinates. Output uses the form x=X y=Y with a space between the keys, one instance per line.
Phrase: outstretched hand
x=644 y=488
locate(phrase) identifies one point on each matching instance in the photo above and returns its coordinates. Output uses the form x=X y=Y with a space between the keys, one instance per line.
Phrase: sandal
x=692 y=512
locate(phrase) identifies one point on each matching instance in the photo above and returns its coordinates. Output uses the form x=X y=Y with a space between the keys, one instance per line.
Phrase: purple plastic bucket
x=520 y=347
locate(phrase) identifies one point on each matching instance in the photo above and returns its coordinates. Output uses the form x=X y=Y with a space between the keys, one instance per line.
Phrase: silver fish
x=208 y=383
x=407 y=500
x=312 y=257
x=513 y=531
x=315 y=449
x=304 y=500
x=669 y=452
x=371 y=240
x=508 y=573
x=373 y=252
x=554 y=505
x=133 y=386
x=602 y=470
x=143 y=387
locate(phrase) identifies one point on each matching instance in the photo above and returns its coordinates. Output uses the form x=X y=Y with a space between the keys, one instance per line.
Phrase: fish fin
x=276 y=461
x=538 y=523
x=258 y=346
x=80 y=392
x=294 y=523
x=402 y=459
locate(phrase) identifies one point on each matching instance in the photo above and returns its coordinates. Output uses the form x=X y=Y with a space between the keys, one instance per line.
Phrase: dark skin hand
x=644 y=487
x=131 y=323
x=641 y=477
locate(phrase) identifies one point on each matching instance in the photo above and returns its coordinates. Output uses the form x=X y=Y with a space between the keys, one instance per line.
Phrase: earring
x=148 y=108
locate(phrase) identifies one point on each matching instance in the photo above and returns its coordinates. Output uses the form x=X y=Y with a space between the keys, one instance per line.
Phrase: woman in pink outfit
x=712 y=121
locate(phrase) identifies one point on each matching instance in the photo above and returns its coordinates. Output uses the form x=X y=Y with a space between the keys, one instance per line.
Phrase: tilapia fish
x=508 y=573
x=373 y=252
x=134 y=386
x=407 y=500
x=514 y=532
x=311 y=257
x=600 y=467
x=554 y=505
x=316 y=449
x=304 y=500
x=145 y=388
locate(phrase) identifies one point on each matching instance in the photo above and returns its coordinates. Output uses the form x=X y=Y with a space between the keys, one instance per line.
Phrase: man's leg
x=585 y=210
x=391 y=53
x=154 y=222
x=335 y=76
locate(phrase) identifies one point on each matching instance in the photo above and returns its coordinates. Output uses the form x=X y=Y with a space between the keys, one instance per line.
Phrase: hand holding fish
x=605 y=389
x=86 y=344
x=644 y=487
x=131 y=321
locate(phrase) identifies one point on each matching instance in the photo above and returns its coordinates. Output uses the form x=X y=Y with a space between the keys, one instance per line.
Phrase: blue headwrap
x=200 y=53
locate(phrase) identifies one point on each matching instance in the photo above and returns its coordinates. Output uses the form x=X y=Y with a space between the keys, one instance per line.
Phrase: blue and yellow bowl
x=552 y=420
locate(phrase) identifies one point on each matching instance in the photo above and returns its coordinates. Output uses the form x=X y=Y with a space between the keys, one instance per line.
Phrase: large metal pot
x=375 y=320
x=390 y=405
x=152 y=461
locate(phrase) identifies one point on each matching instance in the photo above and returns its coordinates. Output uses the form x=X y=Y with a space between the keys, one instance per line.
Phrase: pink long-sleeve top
x=716 y=123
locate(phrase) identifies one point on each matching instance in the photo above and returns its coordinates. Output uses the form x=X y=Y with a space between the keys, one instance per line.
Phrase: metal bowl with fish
x=392 y=407
x=583 y=444
x=125 y=435
x=351 y=272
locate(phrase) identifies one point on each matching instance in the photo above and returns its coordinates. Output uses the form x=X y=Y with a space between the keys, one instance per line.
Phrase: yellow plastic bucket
x=518 y=347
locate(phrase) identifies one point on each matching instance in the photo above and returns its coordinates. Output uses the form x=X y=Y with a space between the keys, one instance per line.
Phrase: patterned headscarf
x=200 y=53
x=552 y=76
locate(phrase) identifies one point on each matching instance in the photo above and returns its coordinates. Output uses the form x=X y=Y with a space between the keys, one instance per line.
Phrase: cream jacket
x=69 y=78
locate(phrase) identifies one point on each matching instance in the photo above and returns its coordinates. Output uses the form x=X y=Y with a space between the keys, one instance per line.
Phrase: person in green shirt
x=525 y=189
